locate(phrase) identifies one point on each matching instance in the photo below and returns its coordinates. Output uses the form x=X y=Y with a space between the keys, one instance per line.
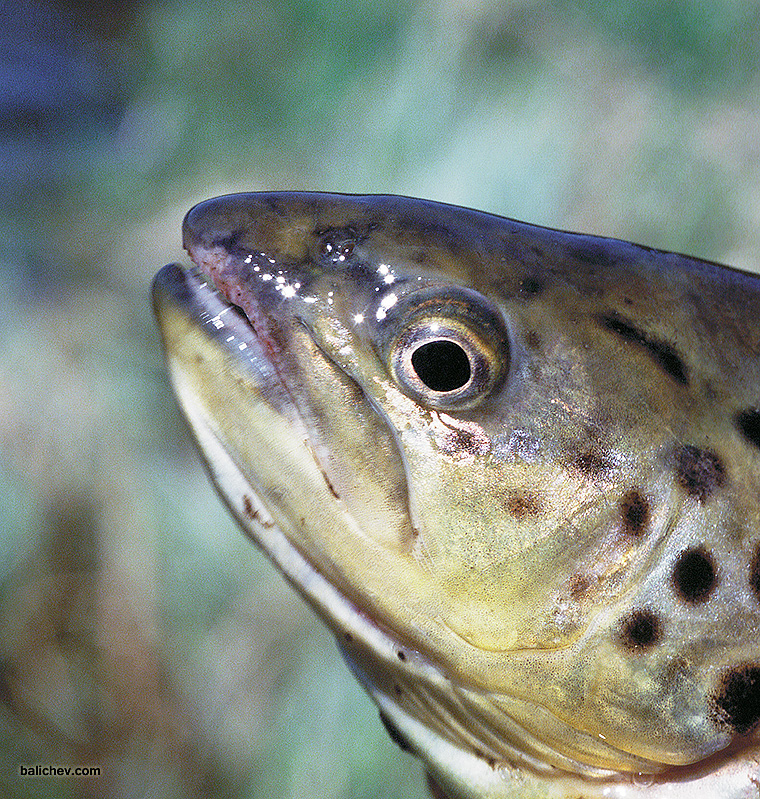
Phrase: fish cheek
x=353 y=446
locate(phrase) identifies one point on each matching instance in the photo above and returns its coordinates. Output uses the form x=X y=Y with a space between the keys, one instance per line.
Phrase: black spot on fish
x=580 y=586
x=695 y=575
x=463 y=443
x=662 y=353
x=394 y=733
x=634 y=510
x=699 y=471
x=737 y=701
x=533 y=340
x=640 y=630
x=754 y=573
x=748 y=423
x=521 y=504
x=531 y=287
x=593 y=464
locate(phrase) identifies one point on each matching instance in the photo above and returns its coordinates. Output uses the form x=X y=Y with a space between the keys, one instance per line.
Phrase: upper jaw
x=192 y=313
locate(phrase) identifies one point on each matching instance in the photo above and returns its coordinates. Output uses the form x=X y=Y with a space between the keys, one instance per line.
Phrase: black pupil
x=441 y=365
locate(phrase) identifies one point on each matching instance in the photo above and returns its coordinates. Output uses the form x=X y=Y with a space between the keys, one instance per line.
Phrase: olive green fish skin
x=525 y=461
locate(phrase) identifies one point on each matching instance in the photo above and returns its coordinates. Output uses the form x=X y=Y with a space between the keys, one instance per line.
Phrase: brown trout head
x=515 y=470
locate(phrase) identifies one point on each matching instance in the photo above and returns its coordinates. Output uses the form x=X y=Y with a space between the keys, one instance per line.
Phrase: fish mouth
x=206 y=340
x=186 y=296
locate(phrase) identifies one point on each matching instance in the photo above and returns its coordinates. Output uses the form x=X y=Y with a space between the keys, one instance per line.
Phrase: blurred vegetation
x=139 y=630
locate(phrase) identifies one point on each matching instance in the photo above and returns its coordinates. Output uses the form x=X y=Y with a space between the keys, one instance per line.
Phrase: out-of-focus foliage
x=138 y=630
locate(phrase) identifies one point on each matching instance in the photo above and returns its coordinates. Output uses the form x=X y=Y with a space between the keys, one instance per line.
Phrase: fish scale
x=514 y=469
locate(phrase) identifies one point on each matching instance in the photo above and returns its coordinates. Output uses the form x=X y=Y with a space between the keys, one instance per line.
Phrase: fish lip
x=189 y=290
x=740 y=748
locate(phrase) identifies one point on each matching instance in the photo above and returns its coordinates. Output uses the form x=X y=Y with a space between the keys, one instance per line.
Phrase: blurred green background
x=139 y=631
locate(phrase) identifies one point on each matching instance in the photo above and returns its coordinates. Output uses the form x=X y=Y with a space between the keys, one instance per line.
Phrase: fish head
x=514 y=469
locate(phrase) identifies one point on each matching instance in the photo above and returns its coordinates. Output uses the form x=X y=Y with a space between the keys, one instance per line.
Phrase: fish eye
x=449 y=348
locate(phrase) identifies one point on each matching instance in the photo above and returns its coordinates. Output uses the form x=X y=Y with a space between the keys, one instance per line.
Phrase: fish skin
x=549 y=577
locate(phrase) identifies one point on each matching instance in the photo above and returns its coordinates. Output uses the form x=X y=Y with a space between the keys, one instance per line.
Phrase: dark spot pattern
x=699 y=471
x=580 y=585
x=462 y=443
x=695 y=575
x=662 y=353
x=593 y=464
x=520 y=505
x=531 y=287
x=737 y=701
x=748 y=423
x=533 y=340
x=634 y=510
x=640 y=630
x=754 y=573
x=394 y=733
